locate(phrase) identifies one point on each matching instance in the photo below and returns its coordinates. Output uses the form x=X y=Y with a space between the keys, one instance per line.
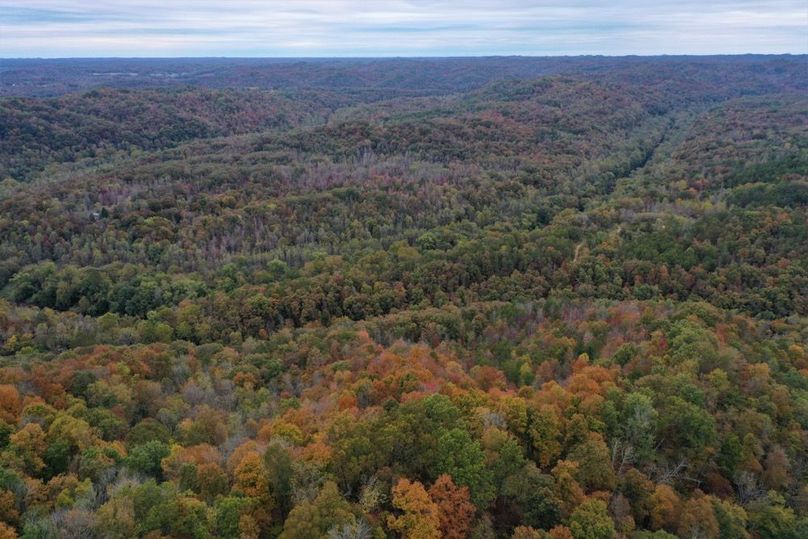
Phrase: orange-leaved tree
x=420 y=518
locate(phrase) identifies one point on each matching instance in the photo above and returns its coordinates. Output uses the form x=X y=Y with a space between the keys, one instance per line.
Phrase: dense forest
x=528 y=298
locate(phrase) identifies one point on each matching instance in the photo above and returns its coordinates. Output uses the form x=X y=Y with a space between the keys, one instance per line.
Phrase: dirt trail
x=577 y=250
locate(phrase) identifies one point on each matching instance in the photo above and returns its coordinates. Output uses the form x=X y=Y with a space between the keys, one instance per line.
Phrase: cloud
x=54 y=28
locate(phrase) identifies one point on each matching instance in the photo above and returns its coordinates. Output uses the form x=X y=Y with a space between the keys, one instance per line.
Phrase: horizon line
x=407 y=57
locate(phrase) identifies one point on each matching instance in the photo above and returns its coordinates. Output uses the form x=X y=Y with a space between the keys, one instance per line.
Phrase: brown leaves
x=10 y=403
x=455 y=511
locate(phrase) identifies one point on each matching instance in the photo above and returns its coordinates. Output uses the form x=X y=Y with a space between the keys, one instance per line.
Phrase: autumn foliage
x=491 y=298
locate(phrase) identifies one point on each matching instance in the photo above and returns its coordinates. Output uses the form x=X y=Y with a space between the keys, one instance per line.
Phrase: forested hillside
x=489 y=298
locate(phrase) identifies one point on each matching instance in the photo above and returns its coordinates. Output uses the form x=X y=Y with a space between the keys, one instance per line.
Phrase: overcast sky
x=59 y=28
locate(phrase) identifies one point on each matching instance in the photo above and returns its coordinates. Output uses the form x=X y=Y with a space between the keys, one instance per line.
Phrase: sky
x=300 y=28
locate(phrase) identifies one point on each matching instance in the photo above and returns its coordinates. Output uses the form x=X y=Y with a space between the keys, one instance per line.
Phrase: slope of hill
x=38 y=132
